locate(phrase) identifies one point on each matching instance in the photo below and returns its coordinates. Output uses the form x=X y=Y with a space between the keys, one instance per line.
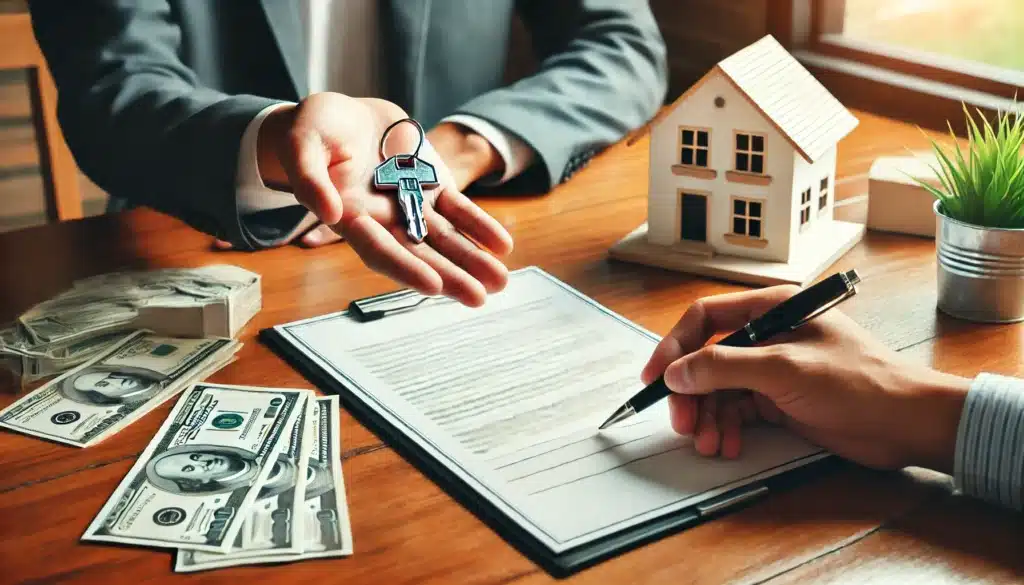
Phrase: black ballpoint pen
x=786 y=316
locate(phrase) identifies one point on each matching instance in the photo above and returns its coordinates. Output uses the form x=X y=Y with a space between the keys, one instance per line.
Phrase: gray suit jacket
x=154 y=95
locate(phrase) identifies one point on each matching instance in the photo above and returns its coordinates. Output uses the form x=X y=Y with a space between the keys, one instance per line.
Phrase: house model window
x=747 y=217
x=693 y=147
x=823 y=195
x=750 y=153
x=805 y=208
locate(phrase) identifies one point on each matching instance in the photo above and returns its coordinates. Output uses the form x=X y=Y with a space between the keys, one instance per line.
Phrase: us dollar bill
x=61 y=358
x=326 y=528
x=115 y=388
x=273 y=524
x=196 y=480
x=328 y=531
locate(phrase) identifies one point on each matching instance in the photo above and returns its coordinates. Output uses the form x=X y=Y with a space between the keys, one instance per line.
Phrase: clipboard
x=558 y=564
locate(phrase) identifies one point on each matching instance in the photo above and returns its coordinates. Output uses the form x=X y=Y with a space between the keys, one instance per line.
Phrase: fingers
x=715 y=422
x=666 y=352
x=466 y=272
x=683 y=412
x=731 y=427
x=747 y=409
x=708 y=316
x=469 y=218
x=462 y=252
x=222 y=245
x=380 y=251
x=306 y=158
x=321 y=235
x=719 y=367
x=706 y=438
x=456 y=282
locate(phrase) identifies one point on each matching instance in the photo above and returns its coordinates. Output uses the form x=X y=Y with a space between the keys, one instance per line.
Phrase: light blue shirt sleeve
x=989 y=463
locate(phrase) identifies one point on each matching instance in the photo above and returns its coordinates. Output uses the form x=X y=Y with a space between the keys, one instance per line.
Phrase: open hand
x=829 y=381
x=325 y=149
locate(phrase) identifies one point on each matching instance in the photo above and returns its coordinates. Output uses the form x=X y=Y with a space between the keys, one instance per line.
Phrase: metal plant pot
x=980 y=271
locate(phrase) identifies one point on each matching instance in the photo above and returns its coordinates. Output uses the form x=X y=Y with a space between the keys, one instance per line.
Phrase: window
x=750 y=153
x=823 y=195
x=693 y=147
x=747 y=217
x=916 y=60
x=805 y=208
x=972 y=30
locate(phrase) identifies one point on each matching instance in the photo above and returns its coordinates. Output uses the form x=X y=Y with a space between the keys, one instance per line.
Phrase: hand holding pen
x=829 y=381
x=792 y=312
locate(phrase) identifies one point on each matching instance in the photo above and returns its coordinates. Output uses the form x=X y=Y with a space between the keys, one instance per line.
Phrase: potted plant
x=979 y=211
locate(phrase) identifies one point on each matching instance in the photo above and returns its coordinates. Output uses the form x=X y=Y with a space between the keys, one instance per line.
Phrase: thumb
x=721 y=367
x=306 y=159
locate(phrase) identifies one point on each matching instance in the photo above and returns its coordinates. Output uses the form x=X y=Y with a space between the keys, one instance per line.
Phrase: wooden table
x=851 y=526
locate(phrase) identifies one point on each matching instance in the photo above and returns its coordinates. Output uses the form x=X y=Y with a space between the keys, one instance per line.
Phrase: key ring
x=387 y=131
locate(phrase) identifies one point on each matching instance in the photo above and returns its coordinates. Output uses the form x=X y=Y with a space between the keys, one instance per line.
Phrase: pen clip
x=849 y=293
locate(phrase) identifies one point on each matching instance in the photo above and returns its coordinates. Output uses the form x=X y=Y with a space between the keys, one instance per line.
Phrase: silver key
x=407 y=174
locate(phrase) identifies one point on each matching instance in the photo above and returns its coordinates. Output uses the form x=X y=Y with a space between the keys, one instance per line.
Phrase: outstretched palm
x=329 y=151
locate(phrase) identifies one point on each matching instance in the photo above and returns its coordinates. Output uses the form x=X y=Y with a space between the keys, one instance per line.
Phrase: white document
x=509 y=397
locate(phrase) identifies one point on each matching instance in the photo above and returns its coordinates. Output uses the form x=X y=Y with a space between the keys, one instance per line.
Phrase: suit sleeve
x=137 y=119
x=602 y=74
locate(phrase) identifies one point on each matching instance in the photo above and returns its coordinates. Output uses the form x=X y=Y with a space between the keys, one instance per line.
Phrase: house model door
x=693 y=219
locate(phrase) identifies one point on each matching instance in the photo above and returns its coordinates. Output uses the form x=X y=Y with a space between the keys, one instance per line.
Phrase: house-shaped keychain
x=742 y=175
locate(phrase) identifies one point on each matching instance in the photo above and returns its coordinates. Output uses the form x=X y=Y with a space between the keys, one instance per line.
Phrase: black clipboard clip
x=379 y=306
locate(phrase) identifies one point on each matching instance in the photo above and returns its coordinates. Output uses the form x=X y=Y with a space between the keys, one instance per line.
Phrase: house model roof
x=796 y=103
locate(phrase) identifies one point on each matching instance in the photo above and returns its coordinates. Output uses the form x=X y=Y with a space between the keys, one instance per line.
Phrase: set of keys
x=408 y=175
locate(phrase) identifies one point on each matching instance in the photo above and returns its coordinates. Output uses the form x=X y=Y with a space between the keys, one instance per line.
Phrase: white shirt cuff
x=989 y=461
x=515 y=153
x=252 y=194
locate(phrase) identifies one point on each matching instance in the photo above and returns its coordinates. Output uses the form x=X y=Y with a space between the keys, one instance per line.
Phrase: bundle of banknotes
x=116 y=387
x=236 y=476
x=95 y=313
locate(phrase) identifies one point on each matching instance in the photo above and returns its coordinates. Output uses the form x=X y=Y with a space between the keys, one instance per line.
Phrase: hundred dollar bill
x=203 y=470
x=326 y=529
x=328 y=532
x=61 y=358
x=272 y=525
x=115 y=388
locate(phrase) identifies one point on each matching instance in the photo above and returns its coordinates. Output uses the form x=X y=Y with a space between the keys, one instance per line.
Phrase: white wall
x=737 y=114
x=809 y=175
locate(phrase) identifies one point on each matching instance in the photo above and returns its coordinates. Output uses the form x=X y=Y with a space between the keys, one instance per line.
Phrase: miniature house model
x=742 y=175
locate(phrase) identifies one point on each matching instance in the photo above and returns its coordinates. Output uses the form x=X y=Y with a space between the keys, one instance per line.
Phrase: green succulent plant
x=985 y=187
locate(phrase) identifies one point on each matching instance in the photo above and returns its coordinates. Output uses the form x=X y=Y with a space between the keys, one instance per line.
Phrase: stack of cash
x=71 y=328
x=236 y=476
x=116 y=387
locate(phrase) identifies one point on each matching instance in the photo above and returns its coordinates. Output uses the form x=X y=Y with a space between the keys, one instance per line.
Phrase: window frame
x=823 y=188
x=695 y=146
x=805 y=207
x=750 y=152
x=746 y=217
x=917 y=86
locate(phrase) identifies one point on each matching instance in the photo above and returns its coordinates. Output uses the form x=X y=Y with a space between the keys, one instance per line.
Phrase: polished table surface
x=851 y=525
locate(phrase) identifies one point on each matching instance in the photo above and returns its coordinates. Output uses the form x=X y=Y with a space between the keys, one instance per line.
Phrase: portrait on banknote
x=202 y=469
x=103 y=384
